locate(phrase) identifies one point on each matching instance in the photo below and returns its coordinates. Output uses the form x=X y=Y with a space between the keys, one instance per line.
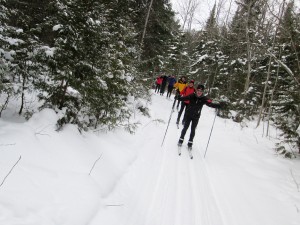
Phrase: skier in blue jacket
x=171 y=82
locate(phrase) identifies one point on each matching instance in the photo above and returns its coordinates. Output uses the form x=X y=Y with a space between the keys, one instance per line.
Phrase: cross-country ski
x=179 y=149
x=190 y=152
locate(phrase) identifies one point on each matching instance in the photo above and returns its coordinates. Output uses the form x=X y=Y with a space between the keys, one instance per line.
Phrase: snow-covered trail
x=139 y=182
x=160 y=187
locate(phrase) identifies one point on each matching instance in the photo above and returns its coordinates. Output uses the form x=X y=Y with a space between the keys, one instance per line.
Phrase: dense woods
x=94 y=62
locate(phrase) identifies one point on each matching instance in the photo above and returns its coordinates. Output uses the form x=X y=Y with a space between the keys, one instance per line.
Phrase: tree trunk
x=5 y=104
x=269 y=67
x=23 y=95
x=146 y=23
x=247 y=82
x=271 y=100
x=228 y=12
x=62 y=100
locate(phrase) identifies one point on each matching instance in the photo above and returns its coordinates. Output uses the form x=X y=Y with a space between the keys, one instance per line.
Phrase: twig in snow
x=7 y=144
x=10 y=171
x=115 y=205
x=295 y=180
x=40 y=131
x=156 y=121
x=95 y=164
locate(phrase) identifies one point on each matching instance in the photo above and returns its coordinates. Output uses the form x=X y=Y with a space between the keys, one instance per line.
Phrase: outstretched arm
x=210 y=103
x=188 y=97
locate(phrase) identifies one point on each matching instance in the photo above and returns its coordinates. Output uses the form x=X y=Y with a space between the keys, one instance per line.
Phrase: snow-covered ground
x=114 y=178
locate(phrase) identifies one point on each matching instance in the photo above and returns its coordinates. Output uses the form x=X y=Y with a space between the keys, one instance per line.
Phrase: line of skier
x=192 y=100
x=161 y=83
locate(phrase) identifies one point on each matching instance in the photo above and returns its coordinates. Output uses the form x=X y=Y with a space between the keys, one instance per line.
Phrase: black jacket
x=193 y=110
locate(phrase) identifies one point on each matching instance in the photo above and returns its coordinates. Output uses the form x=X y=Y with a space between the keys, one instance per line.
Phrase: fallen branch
x=10 y=171
x=7 y=144
x=114 y=205
x=95 y=164
x=297 y=185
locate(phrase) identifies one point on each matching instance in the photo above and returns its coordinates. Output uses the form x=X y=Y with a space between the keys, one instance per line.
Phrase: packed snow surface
x=115 y=178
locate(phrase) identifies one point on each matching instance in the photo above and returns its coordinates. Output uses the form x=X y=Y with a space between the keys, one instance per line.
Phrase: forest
x=94 y=61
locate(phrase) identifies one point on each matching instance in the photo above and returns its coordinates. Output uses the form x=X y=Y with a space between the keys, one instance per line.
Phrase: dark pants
x=187 y=122
x=162 y=89
x=177 y=94
x=157 y=88
x=170 y=89
x=183 y=106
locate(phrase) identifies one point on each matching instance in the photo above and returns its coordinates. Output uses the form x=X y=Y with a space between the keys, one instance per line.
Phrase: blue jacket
x=171 y=81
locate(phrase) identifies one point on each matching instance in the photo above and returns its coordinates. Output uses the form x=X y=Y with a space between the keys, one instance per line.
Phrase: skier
x=158 y=83
x=193 y=112
x=163 y=84
x=179 y=86
x=171 y=82
x=185 y=92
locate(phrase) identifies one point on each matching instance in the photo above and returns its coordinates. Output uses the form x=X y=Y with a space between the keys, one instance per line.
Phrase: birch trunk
x=247 y=82
x=269 y=67
x=146 y=23
x=271 y=100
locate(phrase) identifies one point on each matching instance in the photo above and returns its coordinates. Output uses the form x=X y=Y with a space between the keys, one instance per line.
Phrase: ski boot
x=190 y=144
x=179 y=144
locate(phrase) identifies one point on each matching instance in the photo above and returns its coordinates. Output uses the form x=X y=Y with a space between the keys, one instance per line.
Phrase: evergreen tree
x=81 y=56
x=6 y=89
x=159 y=32
x=22 y=50
x=286 y=103
x=93 y=63
x=211 y=26
x=246 y=51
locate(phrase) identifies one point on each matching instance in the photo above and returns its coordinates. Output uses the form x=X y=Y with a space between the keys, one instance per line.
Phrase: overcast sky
x=202 y=11
x=205 y=6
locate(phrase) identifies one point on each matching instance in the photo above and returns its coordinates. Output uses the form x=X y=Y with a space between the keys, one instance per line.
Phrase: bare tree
x=146 y=23
x=187 y=13
x=281 y=10
x=227 y=14
x=249 y=51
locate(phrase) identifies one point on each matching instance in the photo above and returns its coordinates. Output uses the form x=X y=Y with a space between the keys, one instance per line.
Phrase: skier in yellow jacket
x=179 y=86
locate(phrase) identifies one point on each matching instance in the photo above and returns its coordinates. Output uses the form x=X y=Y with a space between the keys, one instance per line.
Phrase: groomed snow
x=114 y=178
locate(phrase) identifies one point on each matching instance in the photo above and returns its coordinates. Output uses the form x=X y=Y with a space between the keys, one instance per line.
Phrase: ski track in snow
x=177 y=188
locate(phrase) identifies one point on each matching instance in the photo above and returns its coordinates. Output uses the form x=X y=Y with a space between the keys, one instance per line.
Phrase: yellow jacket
x=180 y=85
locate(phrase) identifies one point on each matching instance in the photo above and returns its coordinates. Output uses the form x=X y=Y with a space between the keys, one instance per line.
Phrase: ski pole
x=169 y=120
x=210 y=133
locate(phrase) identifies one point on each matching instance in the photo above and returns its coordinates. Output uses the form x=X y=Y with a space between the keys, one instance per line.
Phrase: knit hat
x=192 y=81
x=200 y=86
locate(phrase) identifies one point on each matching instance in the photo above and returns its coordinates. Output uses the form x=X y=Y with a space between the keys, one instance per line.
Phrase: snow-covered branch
x=285 y=67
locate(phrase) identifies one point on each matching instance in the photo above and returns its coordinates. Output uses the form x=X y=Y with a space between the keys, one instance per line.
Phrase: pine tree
x=93 y=64
x=81 y=57
x=159 y=32
x=286 y=103
x=211 y=26
x=23 y=42
x=6 y=89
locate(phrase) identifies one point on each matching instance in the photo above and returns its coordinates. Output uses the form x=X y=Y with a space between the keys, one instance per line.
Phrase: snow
x=115 y=178
x=57 y=27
